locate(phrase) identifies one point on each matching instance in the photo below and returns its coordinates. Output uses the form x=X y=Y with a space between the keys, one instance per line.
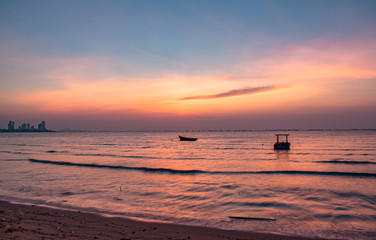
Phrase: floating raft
x=282 y=145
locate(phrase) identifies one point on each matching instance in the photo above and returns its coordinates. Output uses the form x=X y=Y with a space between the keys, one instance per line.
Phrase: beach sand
x=34 y=222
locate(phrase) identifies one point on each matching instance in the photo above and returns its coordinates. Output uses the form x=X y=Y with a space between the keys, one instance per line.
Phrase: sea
x=324 y=186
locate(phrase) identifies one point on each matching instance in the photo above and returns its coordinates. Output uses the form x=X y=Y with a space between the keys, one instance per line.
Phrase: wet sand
x=34 y=222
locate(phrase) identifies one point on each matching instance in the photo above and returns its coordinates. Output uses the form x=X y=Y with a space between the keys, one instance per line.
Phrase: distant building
x=42 y=126
x=11 y=125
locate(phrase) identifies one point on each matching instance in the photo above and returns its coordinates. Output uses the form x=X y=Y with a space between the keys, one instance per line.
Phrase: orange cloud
x=318 y=75
x=318 y=61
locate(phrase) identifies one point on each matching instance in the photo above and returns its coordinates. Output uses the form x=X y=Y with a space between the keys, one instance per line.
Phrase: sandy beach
x=34 y=222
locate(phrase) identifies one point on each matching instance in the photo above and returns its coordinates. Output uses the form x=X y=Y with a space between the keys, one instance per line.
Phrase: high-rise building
x=42 y=126
x=11 y=125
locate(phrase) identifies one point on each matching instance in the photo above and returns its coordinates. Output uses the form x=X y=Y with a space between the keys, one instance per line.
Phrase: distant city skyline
x=196 y=65
x=25 y=127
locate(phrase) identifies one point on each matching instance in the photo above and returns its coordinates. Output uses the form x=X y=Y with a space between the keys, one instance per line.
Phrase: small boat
x=282 y=145
x=187 y=138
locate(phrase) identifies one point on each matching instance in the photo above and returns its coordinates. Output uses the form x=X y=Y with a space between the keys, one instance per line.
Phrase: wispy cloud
x=161 y=58
x=234 y=92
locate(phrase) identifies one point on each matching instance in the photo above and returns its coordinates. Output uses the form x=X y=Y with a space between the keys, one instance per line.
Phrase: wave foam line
x=346 y=162
x=110 y=155
x=174 y=171
x=145 y=169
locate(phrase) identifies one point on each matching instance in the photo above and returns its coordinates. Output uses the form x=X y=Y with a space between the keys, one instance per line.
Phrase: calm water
x=324 y=186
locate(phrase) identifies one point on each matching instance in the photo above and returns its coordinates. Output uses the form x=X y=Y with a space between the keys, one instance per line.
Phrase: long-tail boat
x=187 y=138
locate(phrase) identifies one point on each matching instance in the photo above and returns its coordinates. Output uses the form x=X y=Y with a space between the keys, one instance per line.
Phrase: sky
x=188 y=64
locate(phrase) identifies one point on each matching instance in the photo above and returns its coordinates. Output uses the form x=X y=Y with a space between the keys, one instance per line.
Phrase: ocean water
x=324 y=186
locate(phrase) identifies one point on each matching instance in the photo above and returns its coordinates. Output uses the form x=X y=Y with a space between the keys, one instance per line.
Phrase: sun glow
x=295 y=77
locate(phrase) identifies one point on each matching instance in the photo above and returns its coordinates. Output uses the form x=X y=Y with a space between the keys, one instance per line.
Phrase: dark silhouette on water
x=282 y=145
x=187 y=138
x=252 y=218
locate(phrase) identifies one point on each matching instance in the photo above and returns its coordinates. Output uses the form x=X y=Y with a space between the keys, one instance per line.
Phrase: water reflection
x=282 y=154
x=236 y=174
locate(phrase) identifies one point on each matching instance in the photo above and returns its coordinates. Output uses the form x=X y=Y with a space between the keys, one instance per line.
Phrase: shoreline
x=20 y=221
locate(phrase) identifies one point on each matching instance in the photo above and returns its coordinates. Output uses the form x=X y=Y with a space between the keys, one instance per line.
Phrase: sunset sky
x=165 y=65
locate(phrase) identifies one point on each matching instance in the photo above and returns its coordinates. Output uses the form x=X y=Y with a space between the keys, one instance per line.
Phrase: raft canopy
x=285 y=135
